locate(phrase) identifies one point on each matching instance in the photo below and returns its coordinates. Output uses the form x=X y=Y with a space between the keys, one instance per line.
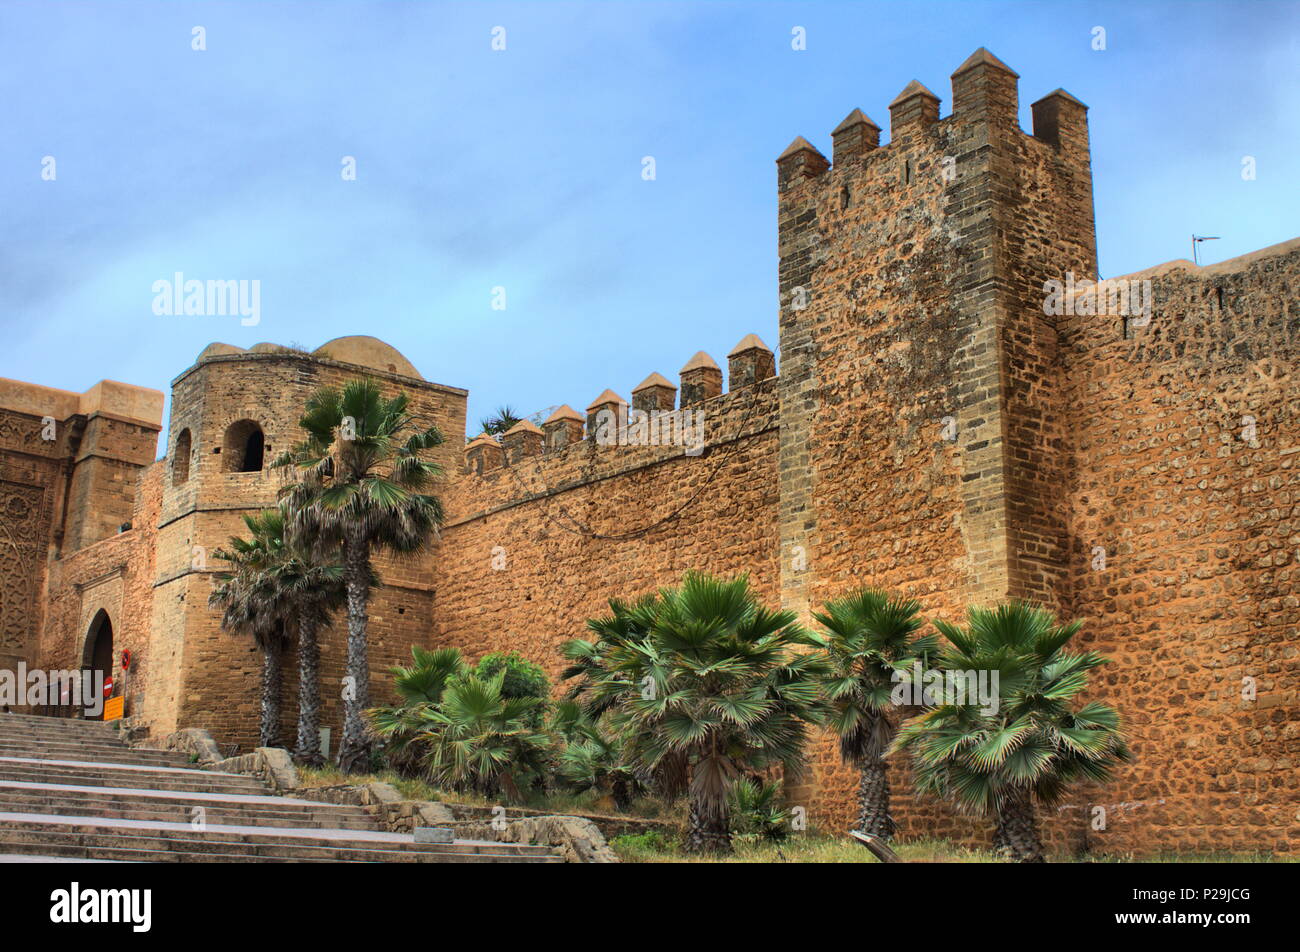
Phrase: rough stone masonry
x=934 y=429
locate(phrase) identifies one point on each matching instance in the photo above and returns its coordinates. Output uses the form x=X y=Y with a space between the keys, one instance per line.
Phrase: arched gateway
x=97 y=657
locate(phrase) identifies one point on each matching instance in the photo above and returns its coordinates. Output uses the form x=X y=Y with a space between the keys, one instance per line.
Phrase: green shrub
x=468 y=728
x=756 y=812
x=591 y=760
x=480 y=740
x=523 y=677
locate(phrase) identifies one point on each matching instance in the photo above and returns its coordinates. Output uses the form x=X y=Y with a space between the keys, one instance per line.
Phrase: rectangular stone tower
x=69 y=463
x=921 y=438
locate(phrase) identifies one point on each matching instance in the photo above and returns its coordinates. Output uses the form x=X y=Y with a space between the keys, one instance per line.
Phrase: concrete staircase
x=73 y=791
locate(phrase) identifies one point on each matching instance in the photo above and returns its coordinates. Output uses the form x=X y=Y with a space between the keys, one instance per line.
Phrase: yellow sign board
x=113 y=708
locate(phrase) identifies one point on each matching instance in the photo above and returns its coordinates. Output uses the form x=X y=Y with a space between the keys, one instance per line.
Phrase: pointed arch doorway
x=98 y=655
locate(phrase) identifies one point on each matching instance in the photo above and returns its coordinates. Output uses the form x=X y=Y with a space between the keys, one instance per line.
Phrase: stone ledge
x=382 y=801
x=193 y=740
x=270 y=764
x=610 y=825
x=578 y=839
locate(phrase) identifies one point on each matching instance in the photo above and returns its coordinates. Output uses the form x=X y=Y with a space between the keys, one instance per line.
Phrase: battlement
x=653 y=418
x=984 y=91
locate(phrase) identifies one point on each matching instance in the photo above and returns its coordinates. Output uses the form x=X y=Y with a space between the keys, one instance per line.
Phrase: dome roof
x=368 y=352
x=218 y=349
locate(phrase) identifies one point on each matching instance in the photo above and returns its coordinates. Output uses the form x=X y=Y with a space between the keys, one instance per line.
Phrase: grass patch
x=658 y=847
x=1191 y=858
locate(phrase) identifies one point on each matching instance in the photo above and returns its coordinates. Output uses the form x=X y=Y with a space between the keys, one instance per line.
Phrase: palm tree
x=312 y=588
x=626 y=624
x=1029 y=749
x=419 y=688
x=870 y=638
x=711 y=676
x=601 y=690
x=363 y=468
x=484 y=740
x=592 y=758
x=477 y=738
x=281 y=586
x=500 y=420
x=251 y=605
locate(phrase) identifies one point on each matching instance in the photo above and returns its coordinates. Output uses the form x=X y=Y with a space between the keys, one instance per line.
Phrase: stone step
x=90 y=774
x=46 y=858
x=112 y=750
x=114 y=839
x=71 y=727
x=72 y=791
x=184 y=797
x=41 y=739
x=59 y=735
x=136 y=806
x=24 y=739
x=267 y=819
x=74 y=851
x=97 y=754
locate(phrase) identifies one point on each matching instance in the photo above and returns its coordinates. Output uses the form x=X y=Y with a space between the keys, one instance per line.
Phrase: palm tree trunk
x=271 y=684
x=1018 y=828
x=621 y=791
x=307 y=750
x=873 y=800
x=354 y=750
x=707 y=831
x=1000 y=844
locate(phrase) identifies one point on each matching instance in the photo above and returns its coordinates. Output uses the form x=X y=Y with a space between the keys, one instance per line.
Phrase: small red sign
x=108 y=686
x=126 y=659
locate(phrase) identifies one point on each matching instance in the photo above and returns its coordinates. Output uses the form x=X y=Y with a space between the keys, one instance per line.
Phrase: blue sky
x=522 y=168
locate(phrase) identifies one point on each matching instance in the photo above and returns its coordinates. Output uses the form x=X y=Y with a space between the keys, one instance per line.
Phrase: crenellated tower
x=921 y=434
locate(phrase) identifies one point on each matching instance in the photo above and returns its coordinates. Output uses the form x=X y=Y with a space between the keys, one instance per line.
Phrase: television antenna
x=1196 y=240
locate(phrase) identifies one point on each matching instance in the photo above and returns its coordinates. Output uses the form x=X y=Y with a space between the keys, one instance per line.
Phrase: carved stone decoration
x=22 y=433
x=20 y=549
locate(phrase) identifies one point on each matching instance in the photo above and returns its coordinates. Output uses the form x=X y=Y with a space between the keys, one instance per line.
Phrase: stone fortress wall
x=932 y=430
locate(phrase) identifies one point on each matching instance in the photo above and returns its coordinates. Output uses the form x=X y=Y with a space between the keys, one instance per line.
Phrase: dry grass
x=330 y=775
